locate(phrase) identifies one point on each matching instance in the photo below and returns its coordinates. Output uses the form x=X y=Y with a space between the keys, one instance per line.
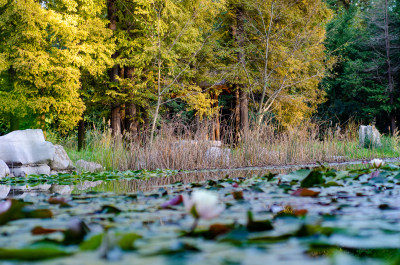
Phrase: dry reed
x=178 y=146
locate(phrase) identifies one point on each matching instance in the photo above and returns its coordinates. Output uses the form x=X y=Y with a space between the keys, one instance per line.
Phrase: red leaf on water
x=57 y=200
x=303 y=192
x=174 y=201
x=38 y=230
x=238 y=195
x=218 y=229
x=300 y=212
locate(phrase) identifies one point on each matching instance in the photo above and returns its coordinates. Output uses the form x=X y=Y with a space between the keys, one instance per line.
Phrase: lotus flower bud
x=377 y=163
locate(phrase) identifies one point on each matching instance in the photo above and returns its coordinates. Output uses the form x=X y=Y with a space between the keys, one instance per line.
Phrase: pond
x=271 y=216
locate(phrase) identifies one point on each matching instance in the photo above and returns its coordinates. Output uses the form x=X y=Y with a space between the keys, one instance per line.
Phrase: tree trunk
x=393 y=125
x=81 y=134
x=237 y=114
x=113 y=72
x=159 y=96
x=216 y=135
x=131 y=123
x=244 y=108
x=244 y=111
x=392 y=115
x=122 y=112
x=116 y=120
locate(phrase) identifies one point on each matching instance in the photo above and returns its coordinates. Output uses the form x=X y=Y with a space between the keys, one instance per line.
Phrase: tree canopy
x=132 y=62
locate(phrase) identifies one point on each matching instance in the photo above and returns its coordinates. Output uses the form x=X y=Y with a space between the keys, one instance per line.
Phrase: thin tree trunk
x=113 y=73
x=266 y=58
x=216 y=135
x=159 y=96
x=237 y=114
x=392 y=115
x=217 y=127
x=244 y=111
x=116 y=120
x=81 y=134
x=244 y=108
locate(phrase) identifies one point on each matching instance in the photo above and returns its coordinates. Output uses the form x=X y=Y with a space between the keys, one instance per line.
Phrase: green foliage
x=44 y=49
x=357 y=85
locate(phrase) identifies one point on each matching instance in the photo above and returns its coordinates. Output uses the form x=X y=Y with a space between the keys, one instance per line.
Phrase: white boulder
x=60 y=160
x=25 y=147
x=4 y=170
x=369 y=137
x=89 y=166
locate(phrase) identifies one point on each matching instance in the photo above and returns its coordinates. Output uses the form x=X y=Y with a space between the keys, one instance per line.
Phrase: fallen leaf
x=303 y=192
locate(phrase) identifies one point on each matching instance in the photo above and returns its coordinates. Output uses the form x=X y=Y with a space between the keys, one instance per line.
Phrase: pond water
x=305 y=216
x=21 y=188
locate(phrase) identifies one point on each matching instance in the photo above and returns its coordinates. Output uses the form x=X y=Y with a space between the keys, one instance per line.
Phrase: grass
x=264 y=146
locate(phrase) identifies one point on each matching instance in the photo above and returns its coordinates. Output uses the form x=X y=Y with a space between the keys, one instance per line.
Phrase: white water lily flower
x=377 y=163
x=203 y=204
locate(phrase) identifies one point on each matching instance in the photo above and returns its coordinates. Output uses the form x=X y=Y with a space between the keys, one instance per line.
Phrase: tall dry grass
x=179 y=146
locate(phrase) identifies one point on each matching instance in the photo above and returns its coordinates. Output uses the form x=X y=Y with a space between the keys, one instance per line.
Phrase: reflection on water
x=124 y=186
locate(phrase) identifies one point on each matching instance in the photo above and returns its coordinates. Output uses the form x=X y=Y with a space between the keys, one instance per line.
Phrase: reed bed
x=180 y=146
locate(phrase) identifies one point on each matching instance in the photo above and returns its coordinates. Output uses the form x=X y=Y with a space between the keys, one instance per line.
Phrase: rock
x=89 y=166
x=217 y=153
x=62 y=189
x=24 y=170
x=369 y=137
x=61 y=161
x=4 y=170
x=4 y=190
x=25 y=147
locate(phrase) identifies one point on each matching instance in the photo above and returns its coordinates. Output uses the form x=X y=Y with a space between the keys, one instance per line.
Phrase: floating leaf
x=38 y=230
x=34 y=252
x=303 y=192
x=256 y=226
x=238 y=195
x=314 y=178
x=174 y=201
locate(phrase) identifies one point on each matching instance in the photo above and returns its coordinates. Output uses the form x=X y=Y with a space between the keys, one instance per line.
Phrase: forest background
x=230 y=70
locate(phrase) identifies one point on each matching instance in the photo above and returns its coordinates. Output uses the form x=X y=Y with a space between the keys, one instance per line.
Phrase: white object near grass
x=60 y=160
x=25 y=148
x=203 y=204
x=369 y=137
x=377 y=163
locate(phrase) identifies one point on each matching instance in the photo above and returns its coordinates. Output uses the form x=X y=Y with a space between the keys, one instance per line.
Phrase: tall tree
x=363 y=83
x=281 y=55
x=46 y=45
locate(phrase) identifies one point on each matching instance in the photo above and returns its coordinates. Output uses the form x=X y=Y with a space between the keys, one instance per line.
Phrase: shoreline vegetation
x=177 y=146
